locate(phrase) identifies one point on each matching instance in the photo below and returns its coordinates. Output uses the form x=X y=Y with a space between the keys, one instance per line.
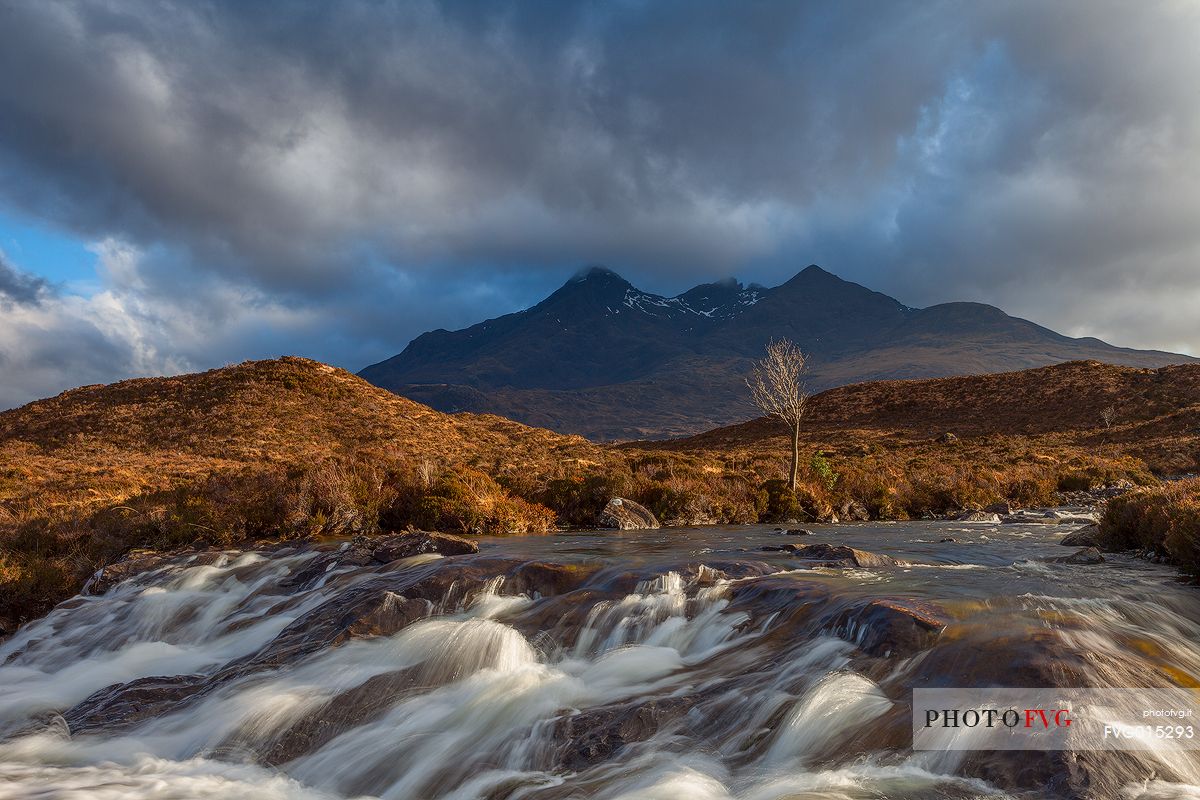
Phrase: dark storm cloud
x=278 y=140
x=370 y=169
x=17 y=286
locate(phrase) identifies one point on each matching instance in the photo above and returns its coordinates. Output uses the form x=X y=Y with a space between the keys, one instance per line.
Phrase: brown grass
x=1163 y=521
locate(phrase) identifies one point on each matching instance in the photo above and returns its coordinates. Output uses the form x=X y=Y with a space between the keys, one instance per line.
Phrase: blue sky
x=184 y=185
x=56 y=255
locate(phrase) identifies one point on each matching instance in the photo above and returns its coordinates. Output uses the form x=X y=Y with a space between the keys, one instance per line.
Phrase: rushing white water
x=688 y=682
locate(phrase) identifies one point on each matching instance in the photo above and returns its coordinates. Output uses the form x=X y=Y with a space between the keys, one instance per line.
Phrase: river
x=660 y=665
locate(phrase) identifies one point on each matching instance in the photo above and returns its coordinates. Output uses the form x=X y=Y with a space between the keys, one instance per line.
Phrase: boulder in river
x=138 y=562
x=895 y=627
x=839 y=555
x=979 y=516
x=1085 y=555
x=413 y=543
x=595 y=735
x=125 y=704
x=854 y=511
x=626 y=515
x=1087 y=536
x=365 y=611
x=547 y=579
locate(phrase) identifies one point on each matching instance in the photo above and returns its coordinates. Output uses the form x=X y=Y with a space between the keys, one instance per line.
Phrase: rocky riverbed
x=735 y=662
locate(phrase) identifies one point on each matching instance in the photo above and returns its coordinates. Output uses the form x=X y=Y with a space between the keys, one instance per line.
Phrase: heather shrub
x=468 y=502
x=807 y=503
x=579 y=499
x=1030 y=487
x=1164 y=520
x=31 y=584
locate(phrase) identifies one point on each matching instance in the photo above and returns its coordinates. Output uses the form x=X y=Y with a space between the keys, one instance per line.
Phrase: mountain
x=601 y=358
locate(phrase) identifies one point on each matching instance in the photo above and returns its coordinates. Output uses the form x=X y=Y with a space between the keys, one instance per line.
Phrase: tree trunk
x=795 y=458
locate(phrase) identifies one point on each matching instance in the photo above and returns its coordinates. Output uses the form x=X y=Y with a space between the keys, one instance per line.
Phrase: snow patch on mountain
x=658 y=306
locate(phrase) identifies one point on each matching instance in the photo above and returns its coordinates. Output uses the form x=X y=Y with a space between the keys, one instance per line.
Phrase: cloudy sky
x=189 y=184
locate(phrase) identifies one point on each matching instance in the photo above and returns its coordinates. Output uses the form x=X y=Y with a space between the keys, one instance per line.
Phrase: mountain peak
x=596 y=272
x=594 y=286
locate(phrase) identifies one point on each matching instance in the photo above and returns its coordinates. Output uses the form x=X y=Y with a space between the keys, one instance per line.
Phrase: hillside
x=263 y=450
x=100 y=444
x=1155 y=414
x=1063 y=397
x=601 y=358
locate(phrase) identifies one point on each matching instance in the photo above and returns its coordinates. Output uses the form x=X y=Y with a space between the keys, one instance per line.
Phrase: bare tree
x=777 y=388
x=1108 y=415
x=426 y=471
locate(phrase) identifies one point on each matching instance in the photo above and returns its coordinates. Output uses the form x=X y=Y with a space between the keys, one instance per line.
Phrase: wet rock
x=136 y=563
x=391 y=614
x=831 y=555
x=545 y=579
x=46 y=723
x=1077 y=519
x=557 y=621
x=982 y=654
x=707 y=573
x=368 y=610
x=947 y=540
x=355 y=553
x=596 y=735
x=771 y=594
x=122 y=705
x=362 y=704
x=1087 y=536
x=979 y=516
x=626 y=515
x=854 y=511
x=998 y=508
x=892 y=627
x=1086 y=555
x=798 y=532
x=1065 y=774
x=412 y=543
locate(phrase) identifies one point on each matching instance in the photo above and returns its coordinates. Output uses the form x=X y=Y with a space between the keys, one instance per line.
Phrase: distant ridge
x=602 y=358
x=1155 y=413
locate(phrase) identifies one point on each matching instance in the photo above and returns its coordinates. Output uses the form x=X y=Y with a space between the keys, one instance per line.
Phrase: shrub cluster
x=1163 y=520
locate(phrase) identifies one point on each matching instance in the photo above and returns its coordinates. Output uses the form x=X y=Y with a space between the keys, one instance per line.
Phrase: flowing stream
x=656 y=665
